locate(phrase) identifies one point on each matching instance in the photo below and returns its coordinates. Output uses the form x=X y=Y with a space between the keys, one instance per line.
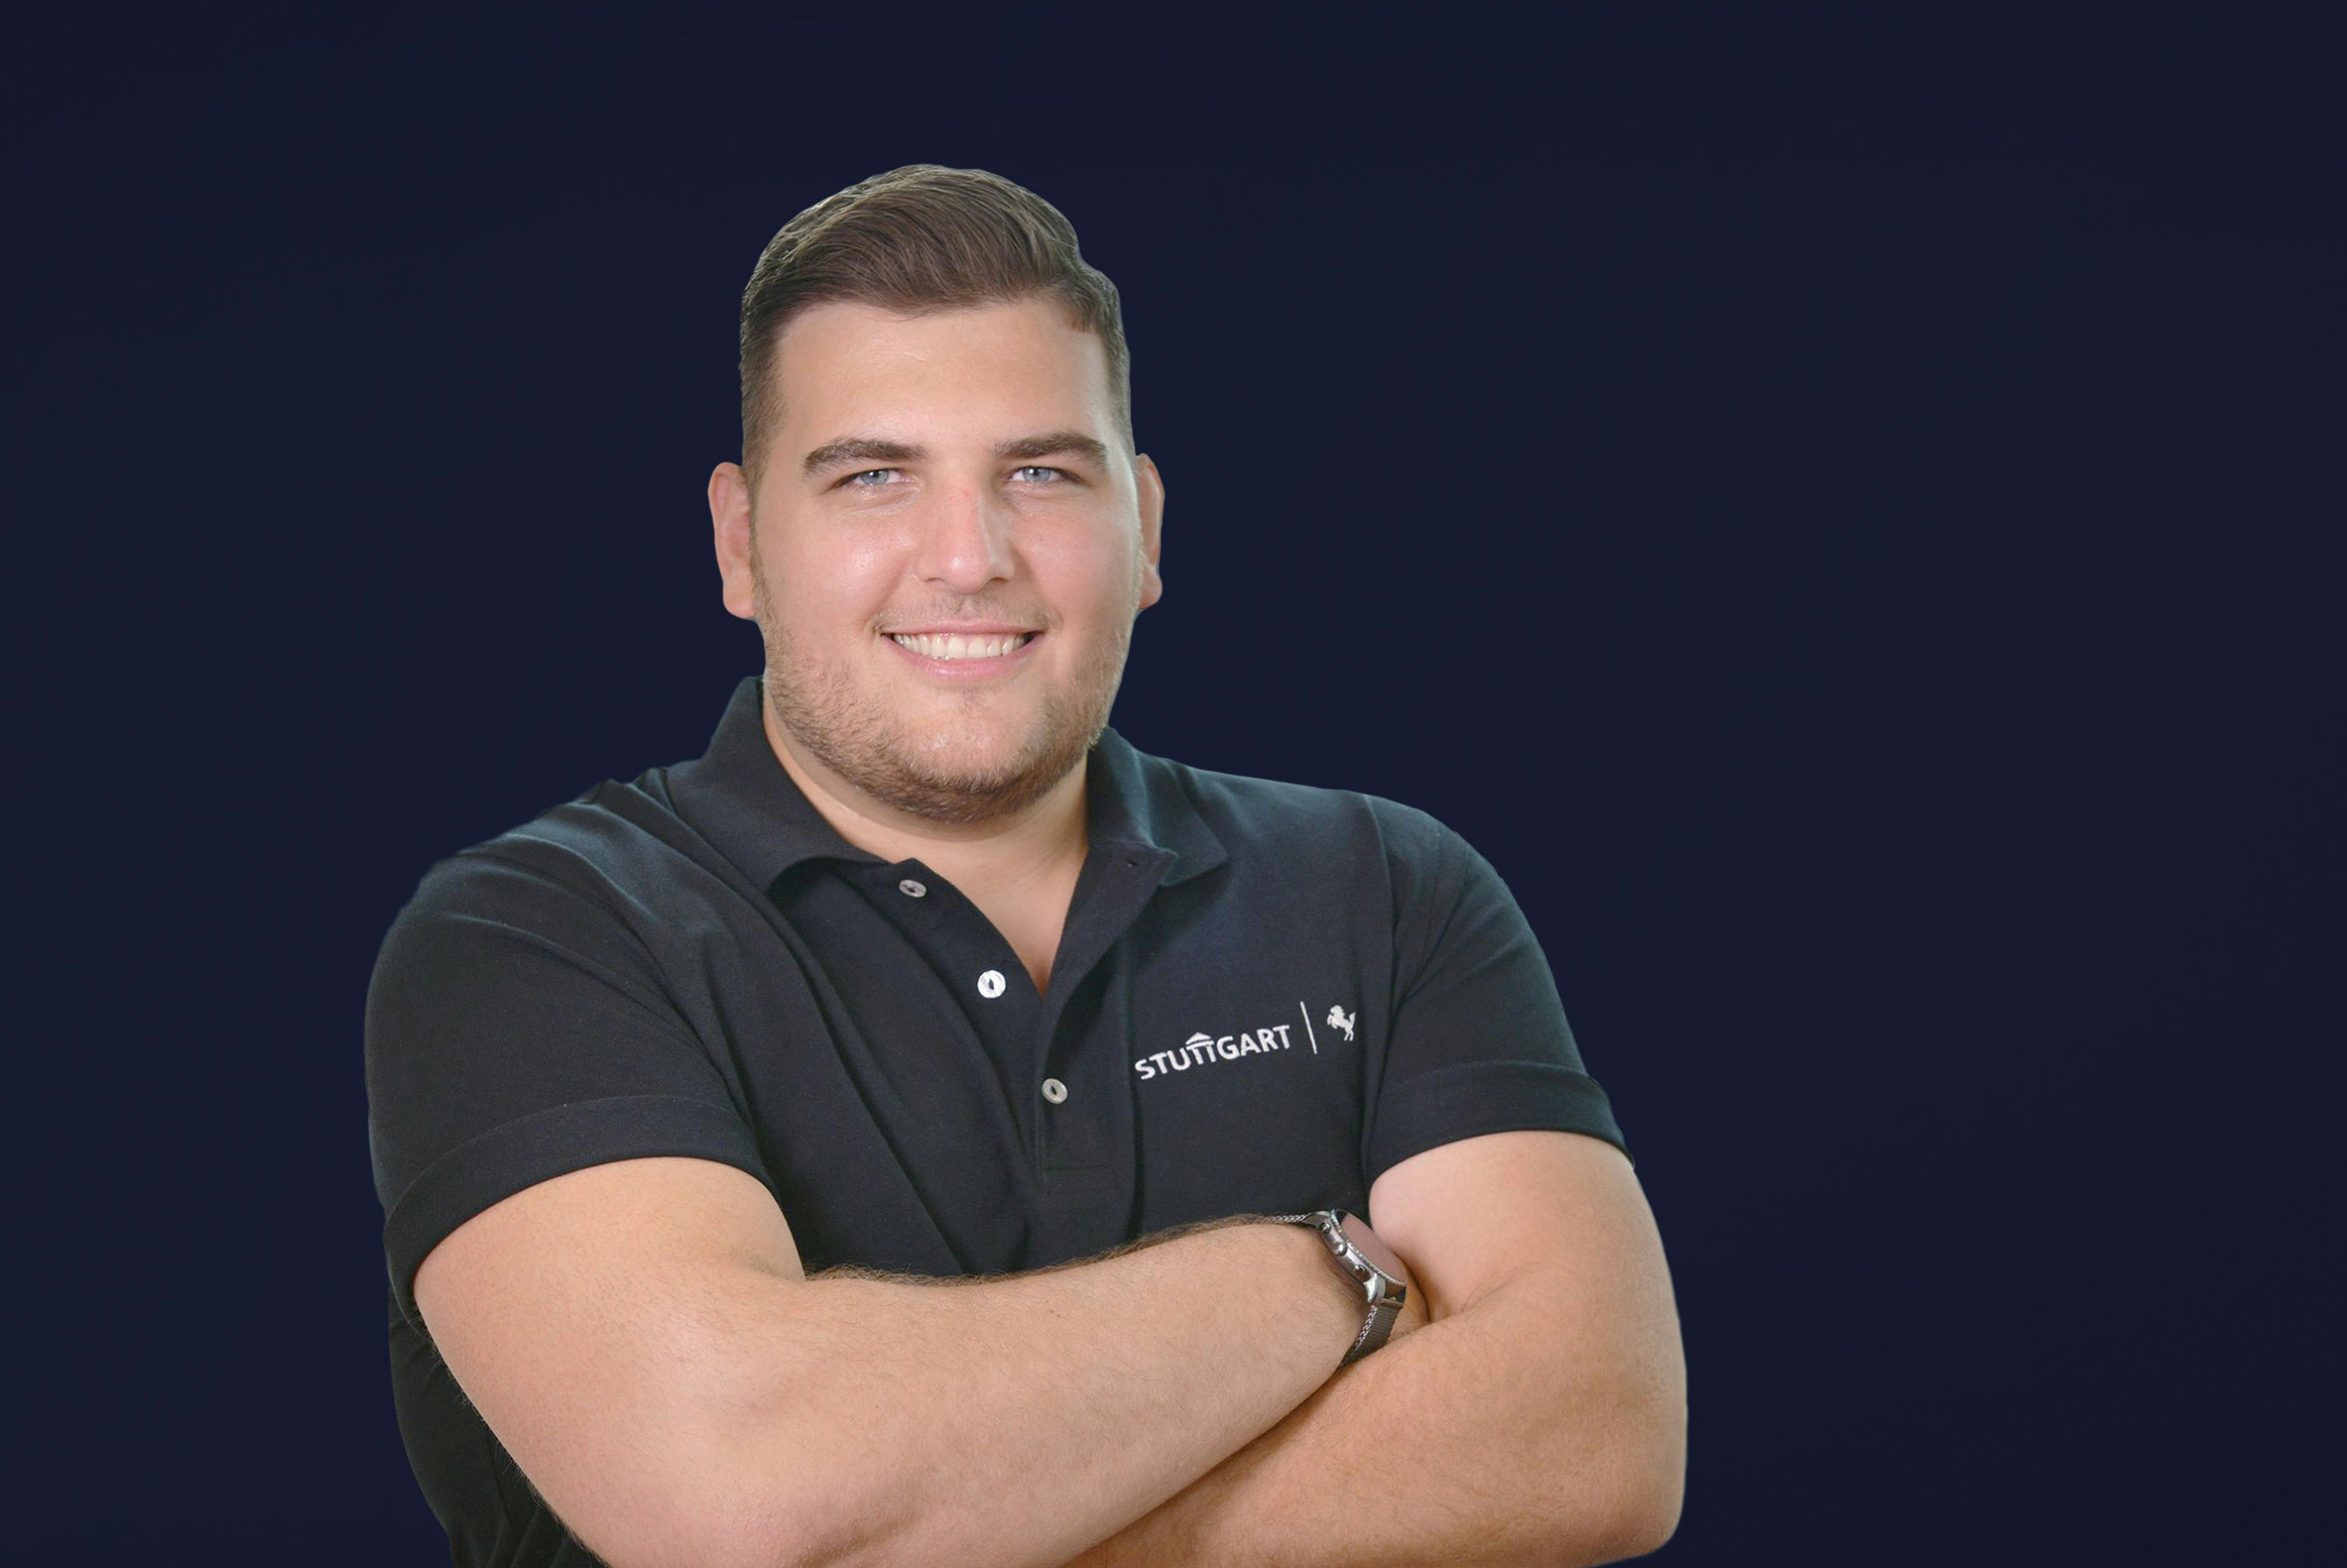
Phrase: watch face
x=1365 y=1240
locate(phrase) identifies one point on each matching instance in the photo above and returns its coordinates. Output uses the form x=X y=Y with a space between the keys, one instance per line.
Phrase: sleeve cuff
x=551 y=1143
x=1471 y=1099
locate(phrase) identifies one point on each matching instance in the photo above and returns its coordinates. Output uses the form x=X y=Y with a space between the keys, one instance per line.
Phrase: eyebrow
x=832 y=453
x=860 y=449
x=1056 y=444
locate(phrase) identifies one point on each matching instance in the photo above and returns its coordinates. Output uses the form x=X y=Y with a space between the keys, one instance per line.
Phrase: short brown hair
x=916 y=240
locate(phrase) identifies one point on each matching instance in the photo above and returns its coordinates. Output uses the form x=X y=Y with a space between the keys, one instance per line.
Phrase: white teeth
x=954 y=645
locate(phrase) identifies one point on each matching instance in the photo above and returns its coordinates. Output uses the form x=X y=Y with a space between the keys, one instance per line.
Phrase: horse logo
x=1339 y=1019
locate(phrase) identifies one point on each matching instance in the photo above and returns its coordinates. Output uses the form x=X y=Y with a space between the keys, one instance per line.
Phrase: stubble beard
x=930 y=776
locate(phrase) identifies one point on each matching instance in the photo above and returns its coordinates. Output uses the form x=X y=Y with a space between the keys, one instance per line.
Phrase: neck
x=1039 y=843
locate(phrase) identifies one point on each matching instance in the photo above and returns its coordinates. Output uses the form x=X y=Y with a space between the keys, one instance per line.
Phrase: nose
x=967 y=545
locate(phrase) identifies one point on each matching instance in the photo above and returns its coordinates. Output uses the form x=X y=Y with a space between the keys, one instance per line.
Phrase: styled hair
x=916 y=240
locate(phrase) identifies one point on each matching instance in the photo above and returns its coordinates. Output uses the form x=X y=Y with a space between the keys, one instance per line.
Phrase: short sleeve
x=518 y=1030
x=1479 y=1041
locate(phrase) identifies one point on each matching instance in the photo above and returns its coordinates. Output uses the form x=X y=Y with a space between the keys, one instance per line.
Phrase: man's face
x=946 y=552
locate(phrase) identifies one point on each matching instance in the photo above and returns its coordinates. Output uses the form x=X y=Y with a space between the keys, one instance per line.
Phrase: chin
x=965 y=777
x=961 y=760
x=951 y=771
x=980 y=762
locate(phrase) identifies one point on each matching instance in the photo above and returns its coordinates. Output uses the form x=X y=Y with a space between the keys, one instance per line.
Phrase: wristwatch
x=1368 y=1263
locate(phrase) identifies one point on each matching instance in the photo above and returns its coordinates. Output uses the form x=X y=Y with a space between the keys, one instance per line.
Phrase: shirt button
x=1055 y=1091
x=912 y=889
x=989 y=984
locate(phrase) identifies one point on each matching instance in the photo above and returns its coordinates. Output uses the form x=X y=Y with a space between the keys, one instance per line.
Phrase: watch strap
x=1374 y=1331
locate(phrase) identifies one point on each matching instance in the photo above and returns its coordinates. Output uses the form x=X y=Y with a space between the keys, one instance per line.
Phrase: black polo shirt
x=1263 y=997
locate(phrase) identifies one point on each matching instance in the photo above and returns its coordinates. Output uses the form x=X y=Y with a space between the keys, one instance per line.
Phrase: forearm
x=1495 y=1436
x=1020 y=1420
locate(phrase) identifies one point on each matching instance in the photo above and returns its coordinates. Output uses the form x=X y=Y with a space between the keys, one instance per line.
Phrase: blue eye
x=864 y=481
x=1035 y=474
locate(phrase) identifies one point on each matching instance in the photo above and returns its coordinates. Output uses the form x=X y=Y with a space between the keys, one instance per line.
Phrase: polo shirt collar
x=738 y=798
x=1136 y=800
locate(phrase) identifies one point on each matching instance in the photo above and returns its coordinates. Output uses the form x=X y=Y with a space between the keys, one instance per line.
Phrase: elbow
x=1643 y=1461
x=1610 y=1524
x=701 y=1532
x=1625 y=1501
x=1640 y=1521
x=717 y=1516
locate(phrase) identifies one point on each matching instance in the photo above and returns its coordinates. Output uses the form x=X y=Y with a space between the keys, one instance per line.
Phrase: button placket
x=1083 y=1137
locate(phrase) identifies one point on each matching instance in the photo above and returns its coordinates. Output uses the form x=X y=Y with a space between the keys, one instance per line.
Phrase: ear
x=729 y=518
x=1151 y=486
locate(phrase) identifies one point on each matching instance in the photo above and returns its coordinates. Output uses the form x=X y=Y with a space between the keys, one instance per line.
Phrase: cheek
x=1086 y=579
x=817 y=581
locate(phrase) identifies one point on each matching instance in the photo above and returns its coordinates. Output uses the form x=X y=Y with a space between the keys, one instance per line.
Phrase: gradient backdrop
x=1838 y=503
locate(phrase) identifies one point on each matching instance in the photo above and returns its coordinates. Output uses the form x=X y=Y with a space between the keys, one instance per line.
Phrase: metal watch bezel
x=1377 y=1285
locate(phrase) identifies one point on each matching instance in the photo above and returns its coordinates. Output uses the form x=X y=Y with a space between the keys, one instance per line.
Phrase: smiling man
x=924 y=1129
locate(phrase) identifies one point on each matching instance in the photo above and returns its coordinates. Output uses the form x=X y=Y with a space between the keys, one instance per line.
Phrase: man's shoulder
x=1280 y=817
x=618 y=847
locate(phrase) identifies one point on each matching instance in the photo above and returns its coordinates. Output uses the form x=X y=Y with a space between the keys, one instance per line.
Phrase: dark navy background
x=1836 y=502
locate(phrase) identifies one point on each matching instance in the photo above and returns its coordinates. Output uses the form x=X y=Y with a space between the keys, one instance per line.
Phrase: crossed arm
x=641 y=1339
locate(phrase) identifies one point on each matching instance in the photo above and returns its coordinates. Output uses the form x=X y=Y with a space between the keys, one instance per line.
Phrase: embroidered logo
x=1339 y=1019
x=1201 y=1048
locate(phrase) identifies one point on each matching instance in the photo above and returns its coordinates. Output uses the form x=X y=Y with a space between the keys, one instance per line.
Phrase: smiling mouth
x=957 y=645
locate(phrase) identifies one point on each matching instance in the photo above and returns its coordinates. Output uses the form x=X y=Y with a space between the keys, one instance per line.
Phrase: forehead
x=844 y=364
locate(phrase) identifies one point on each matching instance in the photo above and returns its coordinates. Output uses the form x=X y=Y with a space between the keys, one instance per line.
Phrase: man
x=690 y=1098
